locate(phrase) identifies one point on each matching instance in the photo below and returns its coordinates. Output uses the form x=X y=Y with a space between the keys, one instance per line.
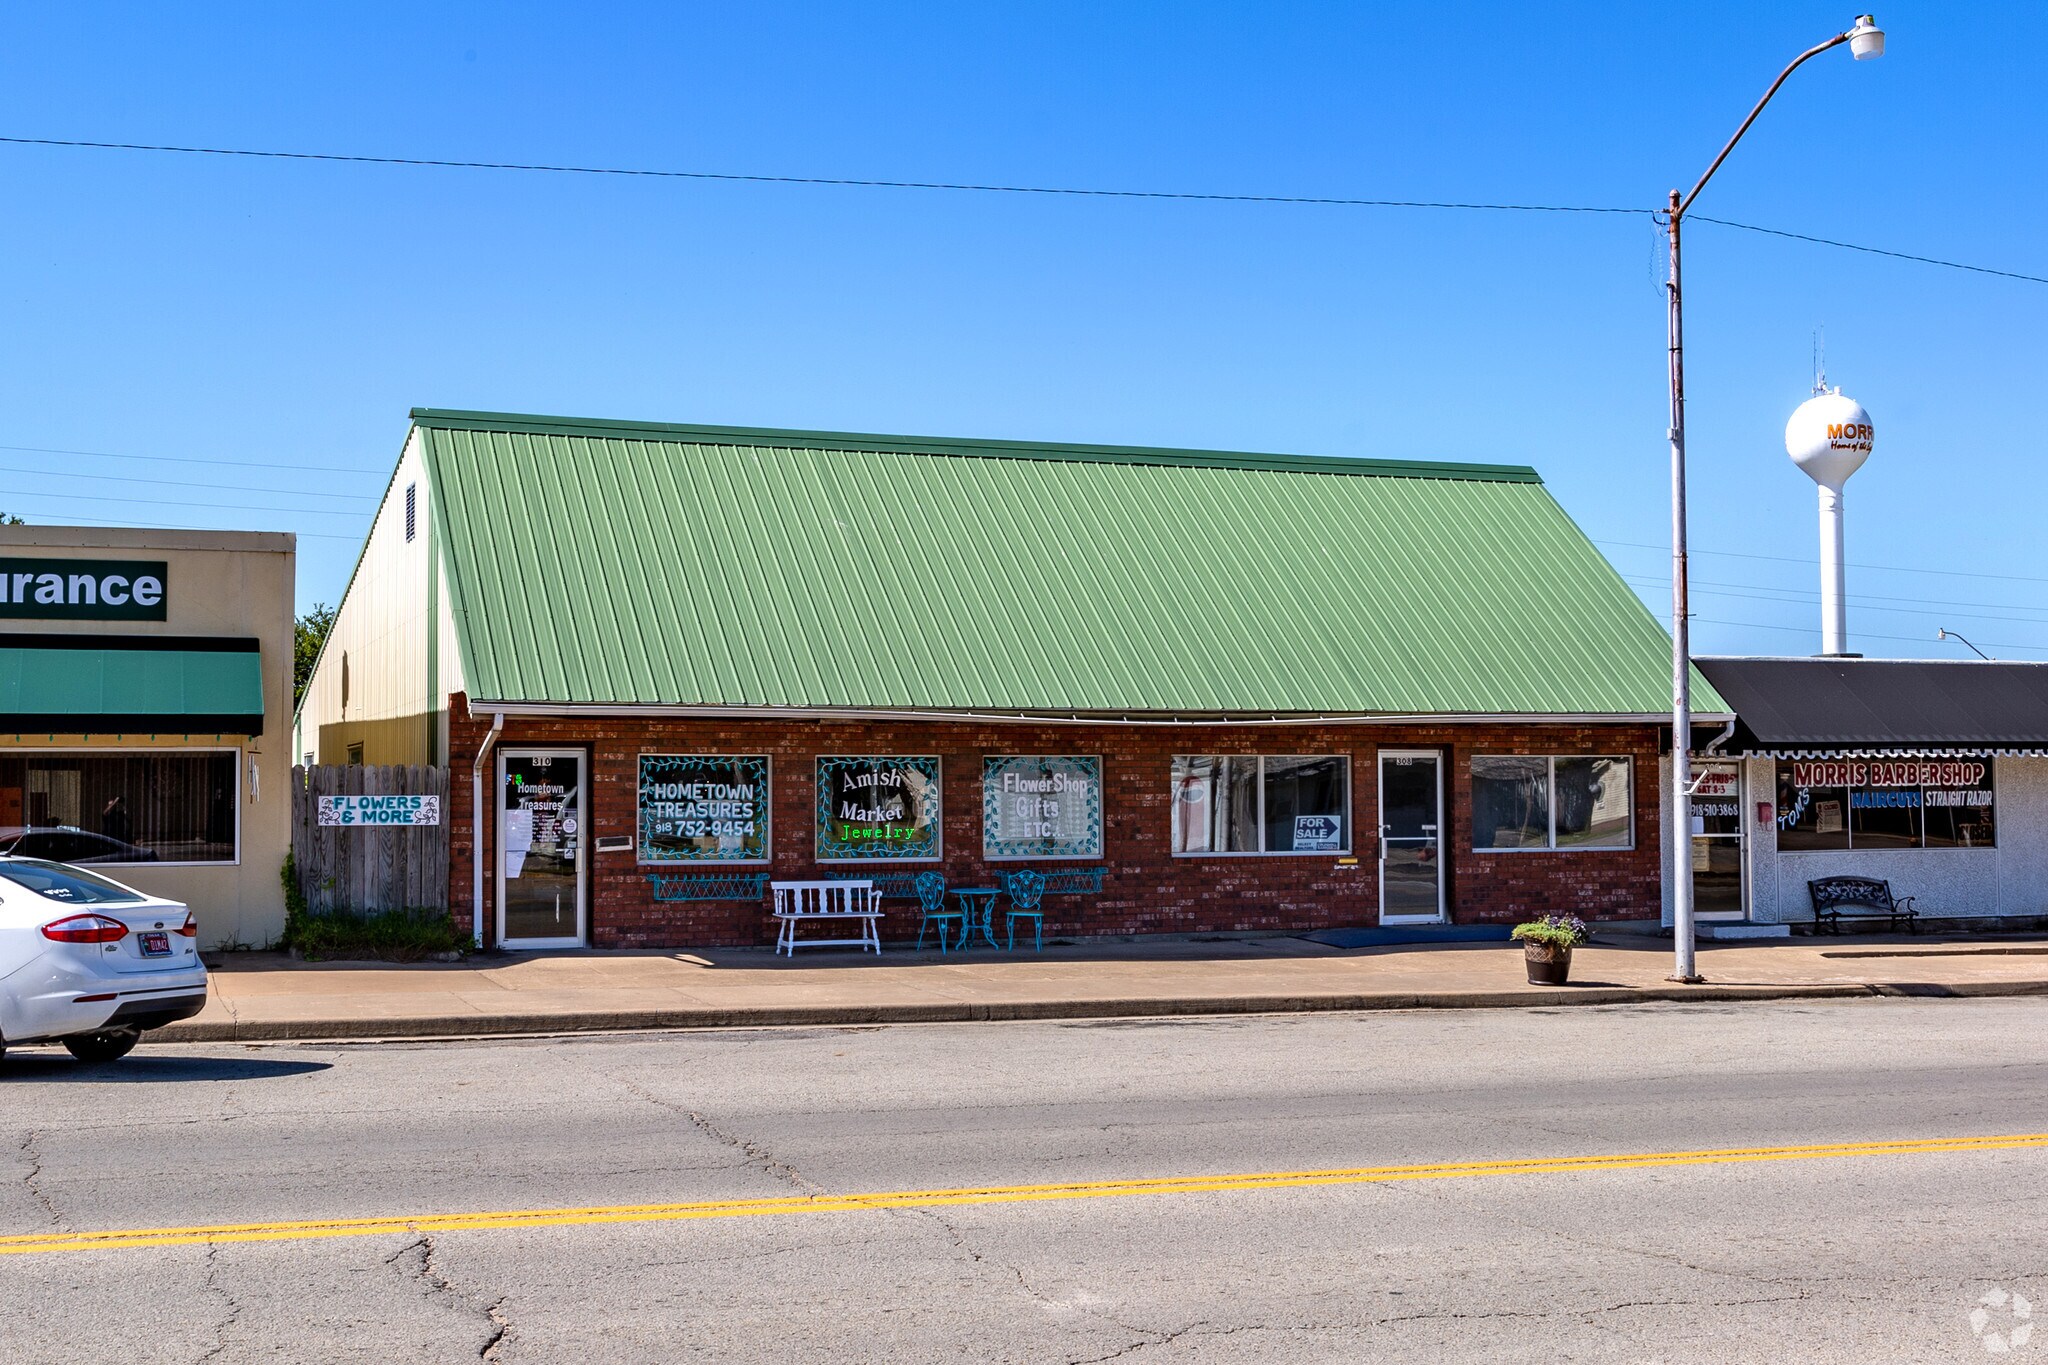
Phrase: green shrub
x=1554 y=931
x=382 y=935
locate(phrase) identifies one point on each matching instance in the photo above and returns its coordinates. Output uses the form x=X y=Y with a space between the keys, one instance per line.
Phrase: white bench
x=841 y=902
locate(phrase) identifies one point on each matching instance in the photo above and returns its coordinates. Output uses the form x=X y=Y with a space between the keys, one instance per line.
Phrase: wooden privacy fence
x=358 y=868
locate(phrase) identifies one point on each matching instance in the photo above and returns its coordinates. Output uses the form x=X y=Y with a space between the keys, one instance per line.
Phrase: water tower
x=1829 y=438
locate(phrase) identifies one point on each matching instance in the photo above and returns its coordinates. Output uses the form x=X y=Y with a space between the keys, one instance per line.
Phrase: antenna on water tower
x=1829 y=438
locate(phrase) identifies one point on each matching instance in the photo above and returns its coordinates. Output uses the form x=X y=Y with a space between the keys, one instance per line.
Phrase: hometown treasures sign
x=703 y=808
x=83 y=589
x=380 y=810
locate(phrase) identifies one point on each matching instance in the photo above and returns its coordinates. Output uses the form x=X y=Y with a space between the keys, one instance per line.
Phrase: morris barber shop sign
x=83 y=589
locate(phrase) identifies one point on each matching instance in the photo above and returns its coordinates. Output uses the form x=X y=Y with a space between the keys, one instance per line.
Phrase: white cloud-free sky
x=285 y=315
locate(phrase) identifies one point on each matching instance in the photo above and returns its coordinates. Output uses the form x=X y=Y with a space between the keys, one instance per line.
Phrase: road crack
x=32 y=1182
x=759 y=1157
x=497 y=1327
x=216 y=1285
x=1006 y=1273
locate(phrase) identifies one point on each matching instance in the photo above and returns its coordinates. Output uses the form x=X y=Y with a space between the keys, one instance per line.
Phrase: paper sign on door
x=518 y=839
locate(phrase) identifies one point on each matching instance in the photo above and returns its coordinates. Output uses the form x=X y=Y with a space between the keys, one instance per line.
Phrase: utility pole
x=1865 y=40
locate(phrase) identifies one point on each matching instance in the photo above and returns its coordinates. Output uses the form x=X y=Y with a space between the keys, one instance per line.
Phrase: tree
x=308 y=635
x=9 y=519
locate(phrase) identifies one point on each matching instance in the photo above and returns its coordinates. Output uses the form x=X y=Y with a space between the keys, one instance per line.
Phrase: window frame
x=1350 y=822
x=110 y=751
x=1101 y=811
x=819 y=806
x=1550 y=762
x=767 y=803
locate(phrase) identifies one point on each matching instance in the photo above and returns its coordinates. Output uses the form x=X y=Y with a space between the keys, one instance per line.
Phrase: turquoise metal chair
x=931 y=902
x=1026 y=891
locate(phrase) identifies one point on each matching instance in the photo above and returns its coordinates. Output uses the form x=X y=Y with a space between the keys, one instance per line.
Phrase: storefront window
x=1960 y=814
x=1595 y=803
x=1510 y=803
x=703 y=808
x=1034 y=806
x=1886 y=803
x=1249 y=804
x=1564 y=802
x=878 y=808
x=120 y=807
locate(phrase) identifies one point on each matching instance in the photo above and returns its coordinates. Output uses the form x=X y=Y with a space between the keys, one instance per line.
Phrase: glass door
x=541 y=867
x=1411 y=828
x=1717 y=843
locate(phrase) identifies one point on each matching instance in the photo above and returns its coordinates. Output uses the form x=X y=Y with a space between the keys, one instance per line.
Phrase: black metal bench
x=1838 y=898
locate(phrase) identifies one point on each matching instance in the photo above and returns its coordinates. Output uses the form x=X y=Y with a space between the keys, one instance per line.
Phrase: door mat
x=1411 y=933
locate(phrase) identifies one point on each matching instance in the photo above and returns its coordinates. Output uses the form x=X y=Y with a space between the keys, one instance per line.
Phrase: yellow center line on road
x=317 y=1229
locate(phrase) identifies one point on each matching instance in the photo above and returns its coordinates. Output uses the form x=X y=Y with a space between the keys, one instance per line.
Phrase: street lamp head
x=1866 y=39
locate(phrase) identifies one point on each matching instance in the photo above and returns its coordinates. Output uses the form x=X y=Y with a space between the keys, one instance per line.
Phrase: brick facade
x=1147 y=890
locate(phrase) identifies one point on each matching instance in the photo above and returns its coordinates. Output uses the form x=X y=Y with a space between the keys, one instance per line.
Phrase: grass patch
x=380 y=936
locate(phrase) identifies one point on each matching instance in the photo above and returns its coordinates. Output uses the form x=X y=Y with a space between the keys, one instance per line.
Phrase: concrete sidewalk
x=266 y=997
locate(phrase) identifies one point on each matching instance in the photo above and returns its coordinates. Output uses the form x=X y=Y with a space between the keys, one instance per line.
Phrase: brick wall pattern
x=1147 y=890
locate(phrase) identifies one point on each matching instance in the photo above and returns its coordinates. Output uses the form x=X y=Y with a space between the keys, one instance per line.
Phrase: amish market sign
x=380 y=810
x=83 y=589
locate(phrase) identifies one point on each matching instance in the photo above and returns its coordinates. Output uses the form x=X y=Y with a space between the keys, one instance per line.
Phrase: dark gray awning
x=1816 y=706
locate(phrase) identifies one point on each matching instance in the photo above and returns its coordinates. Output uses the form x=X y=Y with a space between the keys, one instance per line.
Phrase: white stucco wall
x=2011 y=879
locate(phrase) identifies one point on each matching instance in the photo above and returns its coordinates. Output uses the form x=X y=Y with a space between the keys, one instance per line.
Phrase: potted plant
x=1547 y=945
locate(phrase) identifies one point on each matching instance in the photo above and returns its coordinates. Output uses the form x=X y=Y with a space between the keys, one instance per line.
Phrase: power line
x=1951 y=612
x=177 y=483
x=223 y=506
x=1871 y=250
x=70 y=519
x=841 y=181
x=182 y=459
x=1903 y=639
x=1810 y=563
x=977 y=188
x=1799 y=595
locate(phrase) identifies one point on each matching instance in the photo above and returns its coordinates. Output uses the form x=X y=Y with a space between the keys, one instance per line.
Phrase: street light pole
x=1865 y=40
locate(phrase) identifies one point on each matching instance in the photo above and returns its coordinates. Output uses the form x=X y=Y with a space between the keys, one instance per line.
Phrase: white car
x=90 y=963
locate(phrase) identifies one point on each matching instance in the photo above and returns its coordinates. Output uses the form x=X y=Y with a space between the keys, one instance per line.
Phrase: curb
x=840 y=1016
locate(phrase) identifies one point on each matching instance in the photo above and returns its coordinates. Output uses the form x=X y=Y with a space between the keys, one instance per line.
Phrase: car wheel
x=108 y=1045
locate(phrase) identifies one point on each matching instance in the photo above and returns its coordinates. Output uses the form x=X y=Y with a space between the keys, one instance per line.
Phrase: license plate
x=156 y=945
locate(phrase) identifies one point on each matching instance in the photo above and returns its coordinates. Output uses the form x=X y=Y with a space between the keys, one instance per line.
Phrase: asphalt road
x=1855 y=1255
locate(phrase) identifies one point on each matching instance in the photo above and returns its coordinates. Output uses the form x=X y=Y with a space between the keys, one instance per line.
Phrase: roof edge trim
x=448 y=419
x=538 y=709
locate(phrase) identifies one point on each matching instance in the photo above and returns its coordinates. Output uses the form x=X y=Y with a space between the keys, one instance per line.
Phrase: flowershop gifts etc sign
x=380 y=810
x=1033 y=806
x=703 y=808
x=878 y=807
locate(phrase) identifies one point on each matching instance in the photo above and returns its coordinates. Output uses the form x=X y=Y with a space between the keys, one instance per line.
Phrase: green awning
x=129 y=684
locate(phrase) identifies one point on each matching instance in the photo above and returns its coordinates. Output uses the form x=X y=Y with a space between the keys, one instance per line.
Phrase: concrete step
x=1726 y=931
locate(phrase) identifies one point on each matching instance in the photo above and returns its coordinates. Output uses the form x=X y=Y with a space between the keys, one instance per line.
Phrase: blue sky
x=262 y=313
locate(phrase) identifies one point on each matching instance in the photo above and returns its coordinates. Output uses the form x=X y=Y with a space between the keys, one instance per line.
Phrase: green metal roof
x=629 y=564
x=128 y=684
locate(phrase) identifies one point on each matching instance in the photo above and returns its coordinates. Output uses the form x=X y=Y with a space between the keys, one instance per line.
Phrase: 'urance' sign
x=83 y=589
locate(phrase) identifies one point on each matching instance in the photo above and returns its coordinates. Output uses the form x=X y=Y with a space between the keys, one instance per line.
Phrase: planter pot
x=1548 y=965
